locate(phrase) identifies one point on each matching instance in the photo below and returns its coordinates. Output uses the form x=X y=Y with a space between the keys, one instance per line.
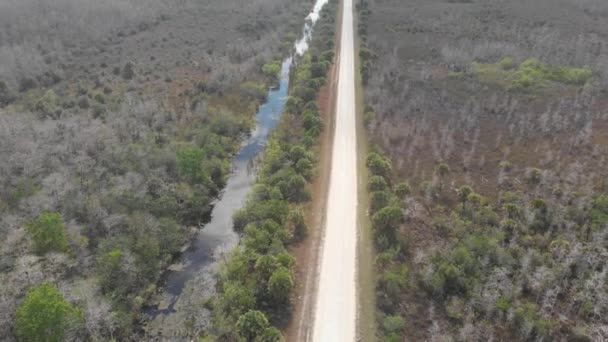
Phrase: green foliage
x=280 y=285
x=48 y=233
x=598 y=215
x=128 y=71
x=6 y=96
x=379 y=200
x=377 y=183
x=528 y=314
x=297 y=224
x=388 y=218
x=190 y=163
x=47 y=104
x=252 y=324
x=393 y=324
x=272 y=70
x=463 y=194
x=531 y=74
x=45 y=315
x=378 y=165
x=402 y=190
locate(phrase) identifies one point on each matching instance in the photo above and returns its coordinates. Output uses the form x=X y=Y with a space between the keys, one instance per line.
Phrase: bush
x=45 y=315
x=252 y=324
x=6 y=96
x=47 y=104
x=280 y=284
x=378 y=165
x=47 y=232
x=393 y=324
x=128 y=71
x=272 y=70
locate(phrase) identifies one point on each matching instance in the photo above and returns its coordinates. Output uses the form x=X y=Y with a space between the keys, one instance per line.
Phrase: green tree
x=463 y=195
x=402 y=189
x=190 y=163
x=280 y=285
x=251 y=324
x=442 y=170
x=128 y=71
x=377 y=183
x=271 y=334
x=48 y=233
x=45 y=315
x=6 y=96
x=388 y=218
x=378 y=165
x=272 y=70
x=379 y=200
x=297 y=223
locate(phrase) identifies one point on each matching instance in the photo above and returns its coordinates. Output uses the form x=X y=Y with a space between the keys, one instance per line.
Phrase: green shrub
x=6 y=96
x=45 y=315
x=47 y=104
x=377 y=183
x=393 y=324
x=272 y=70
x=252 y=324
x=48 y=233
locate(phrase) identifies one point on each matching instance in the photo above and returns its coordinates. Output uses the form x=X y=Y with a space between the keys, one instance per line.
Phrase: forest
x=488 y=184
x=116 y=135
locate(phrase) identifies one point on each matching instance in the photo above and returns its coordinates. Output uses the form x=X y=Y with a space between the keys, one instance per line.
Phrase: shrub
x=402 y=190
x=47 y=104
x=190 y=161
x=393 y=324
x=507 y=63
x=280 y=284
x=388 y=218
x=377 y=183
x=47 y=232
x=6 y=96
x=378 y=165
x=272 y=70
x=128 y=71
x=379 y=200
x=251 y=324
x=45 y=315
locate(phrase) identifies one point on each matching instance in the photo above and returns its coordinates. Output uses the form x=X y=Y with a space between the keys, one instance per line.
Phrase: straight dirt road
x=336 y=303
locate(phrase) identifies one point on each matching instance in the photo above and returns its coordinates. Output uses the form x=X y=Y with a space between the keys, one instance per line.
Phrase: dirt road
x=336 y=304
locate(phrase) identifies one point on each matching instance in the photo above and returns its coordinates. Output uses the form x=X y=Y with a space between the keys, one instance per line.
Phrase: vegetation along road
x=335 y=313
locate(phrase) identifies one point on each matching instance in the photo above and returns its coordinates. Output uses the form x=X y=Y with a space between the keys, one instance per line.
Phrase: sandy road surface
x=336 y=304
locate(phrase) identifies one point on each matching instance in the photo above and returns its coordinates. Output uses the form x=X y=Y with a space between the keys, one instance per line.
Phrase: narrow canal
x=189 y=283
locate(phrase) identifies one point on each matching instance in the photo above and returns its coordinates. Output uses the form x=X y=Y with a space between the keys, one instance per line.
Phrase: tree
x=48 y=233
x=402 y=189
x=128 y=71
x=388 y=218
x=379 y=200
x=272 y=70
x=6 y=97
x=190 y=163
x=442 y=170
x=377 y=183
x=378 y=165
x=297 y=224
x=463 y=195
x=45 y=315
x=251 y=324
x=271 y=334
x=280 y=285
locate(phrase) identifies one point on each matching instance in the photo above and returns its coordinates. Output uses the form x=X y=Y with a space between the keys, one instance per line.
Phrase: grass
x=531 y=74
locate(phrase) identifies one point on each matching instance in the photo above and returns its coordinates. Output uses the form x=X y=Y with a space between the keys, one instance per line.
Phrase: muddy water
x=179 y=312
